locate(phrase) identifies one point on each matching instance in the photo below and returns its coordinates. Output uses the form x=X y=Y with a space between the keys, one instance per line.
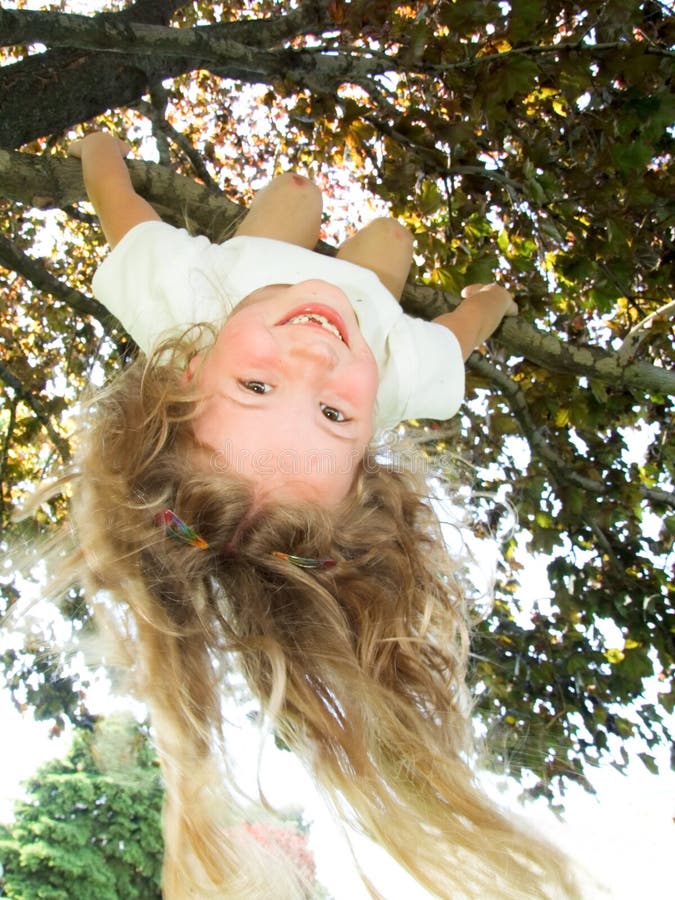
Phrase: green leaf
x=481 y=271
x=649 y=763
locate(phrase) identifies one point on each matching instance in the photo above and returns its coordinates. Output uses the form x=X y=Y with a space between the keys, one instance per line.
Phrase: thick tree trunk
x=51 y=91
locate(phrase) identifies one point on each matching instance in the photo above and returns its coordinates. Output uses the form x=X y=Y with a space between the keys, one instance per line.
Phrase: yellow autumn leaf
x=559 y=106
x=562 y=417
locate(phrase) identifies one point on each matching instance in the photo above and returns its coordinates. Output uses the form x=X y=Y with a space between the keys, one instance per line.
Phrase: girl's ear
x=192 y=368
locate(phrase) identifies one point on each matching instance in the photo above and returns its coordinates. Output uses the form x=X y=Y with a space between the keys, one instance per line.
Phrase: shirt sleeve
x=428 y=365
x=159 y=279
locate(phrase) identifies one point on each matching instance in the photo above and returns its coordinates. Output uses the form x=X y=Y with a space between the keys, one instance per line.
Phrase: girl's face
x=290 y=389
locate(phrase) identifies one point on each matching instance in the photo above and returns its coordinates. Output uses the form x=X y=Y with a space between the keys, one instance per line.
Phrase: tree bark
x=49 y=92
x=117 y=35
x=54 y=182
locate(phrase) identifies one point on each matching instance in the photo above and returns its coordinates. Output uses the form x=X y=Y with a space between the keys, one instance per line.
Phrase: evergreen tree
x=90 y=827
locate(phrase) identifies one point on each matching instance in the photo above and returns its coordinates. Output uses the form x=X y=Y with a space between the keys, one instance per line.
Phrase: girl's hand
x=493 y=293
x=95 y=141
x=477 y=317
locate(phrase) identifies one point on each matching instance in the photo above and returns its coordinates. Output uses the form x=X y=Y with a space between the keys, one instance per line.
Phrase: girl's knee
x=388 y=229
x=296 y=185
x=287 y=209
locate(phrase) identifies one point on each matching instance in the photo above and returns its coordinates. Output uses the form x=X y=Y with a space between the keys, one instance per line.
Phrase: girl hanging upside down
x=230 y=502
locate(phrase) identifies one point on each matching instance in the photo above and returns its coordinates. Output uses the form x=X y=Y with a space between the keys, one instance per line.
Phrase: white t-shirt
x=159 y=280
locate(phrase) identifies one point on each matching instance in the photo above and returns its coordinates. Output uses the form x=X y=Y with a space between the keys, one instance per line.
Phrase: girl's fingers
x=472 y=289
x=74 y=149
x=496 y=291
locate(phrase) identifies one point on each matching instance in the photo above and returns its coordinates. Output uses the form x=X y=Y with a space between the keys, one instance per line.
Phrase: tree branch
x=5 y=456
x=209 y=43
x=522 y=339
x=606 y=366
x=558 y=467
x=577 y=46
x=16 y=260
x=615 y=566
x=49 y=181
x=63 y=77
x=38 y=408
x=205 y=45
x=654 y=495
x=156 y=112
x=116 y=32
x=165 y=128
x=637 y=335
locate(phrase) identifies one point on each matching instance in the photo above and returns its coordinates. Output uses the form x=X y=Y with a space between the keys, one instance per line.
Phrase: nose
x=313 y=350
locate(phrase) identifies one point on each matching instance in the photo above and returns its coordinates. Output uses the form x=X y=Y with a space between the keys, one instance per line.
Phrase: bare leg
x=288 y=209
x=385 y=247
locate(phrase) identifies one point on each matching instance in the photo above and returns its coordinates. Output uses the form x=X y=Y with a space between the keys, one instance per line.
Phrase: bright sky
x=624 y=835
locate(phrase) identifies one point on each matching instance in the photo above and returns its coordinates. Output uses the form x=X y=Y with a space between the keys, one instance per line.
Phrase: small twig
x=160 y=124
x=38 y=408
x=160 y=101
x=655 y=495
x=534 y=50
x=557 y=466
x=5 y=455
x=605 y=544
x=640 y=332
x=80 y=215
x=516 y=398
x=33 y=271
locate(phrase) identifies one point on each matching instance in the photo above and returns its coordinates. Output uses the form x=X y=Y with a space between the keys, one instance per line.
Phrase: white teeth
x=320 y=320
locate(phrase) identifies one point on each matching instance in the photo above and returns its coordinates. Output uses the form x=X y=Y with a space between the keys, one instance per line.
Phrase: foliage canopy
x=526 y=141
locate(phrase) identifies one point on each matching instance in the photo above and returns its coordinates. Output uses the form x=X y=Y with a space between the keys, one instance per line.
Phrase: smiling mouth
x=321 y=316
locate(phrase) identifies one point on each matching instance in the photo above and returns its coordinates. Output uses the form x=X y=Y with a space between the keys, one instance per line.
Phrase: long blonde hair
x=362 y=667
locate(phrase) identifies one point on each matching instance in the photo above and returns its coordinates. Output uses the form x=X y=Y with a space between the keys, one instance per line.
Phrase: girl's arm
x=108 y=185
x=474 y=320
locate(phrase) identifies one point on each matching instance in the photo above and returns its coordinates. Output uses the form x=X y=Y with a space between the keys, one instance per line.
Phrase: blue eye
x=256 y=387
x=333 y=414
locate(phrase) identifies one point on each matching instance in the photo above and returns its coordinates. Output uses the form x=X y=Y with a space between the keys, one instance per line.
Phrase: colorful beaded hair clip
x=305 y=562
x=176 y=528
